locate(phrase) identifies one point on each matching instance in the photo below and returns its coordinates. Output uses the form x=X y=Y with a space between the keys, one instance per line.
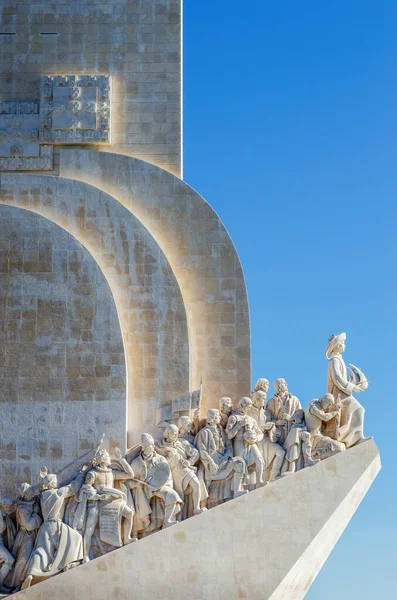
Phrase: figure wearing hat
x=341 y=385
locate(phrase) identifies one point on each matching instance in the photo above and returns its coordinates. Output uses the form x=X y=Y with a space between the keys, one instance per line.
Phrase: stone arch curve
x=201 y=254
x=60 y=387
x=147 y=296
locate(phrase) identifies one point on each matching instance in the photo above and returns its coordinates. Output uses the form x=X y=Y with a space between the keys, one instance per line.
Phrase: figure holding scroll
x=106 y=505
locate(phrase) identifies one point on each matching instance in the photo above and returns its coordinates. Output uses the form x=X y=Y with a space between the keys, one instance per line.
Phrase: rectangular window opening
x=48 y=33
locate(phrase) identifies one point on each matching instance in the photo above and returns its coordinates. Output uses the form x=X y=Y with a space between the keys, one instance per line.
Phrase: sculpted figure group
x=194 y=465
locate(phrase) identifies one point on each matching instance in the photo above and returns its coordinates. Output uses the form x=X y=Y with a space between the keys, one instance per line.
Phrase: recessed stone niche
x=62 y=367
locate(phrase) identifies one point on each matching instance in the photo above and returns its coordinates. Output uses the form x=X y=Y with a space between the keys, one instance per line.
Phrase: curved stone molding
x=147 y=297
x=60 y=385
x=201 y=254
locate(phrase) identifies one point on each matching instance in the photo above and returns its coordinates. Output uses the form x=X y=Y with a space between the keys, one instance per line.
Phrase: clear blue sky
x=290 y=134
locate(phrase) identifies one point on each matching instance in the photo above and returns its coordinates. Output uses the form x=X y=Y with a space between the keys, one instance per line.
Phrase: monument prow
x=266 y=545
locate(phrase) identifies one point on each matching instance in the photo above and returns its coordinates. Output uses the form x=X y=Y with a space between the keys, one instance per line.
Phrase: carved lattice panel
x=75 y=109
x=19 y=138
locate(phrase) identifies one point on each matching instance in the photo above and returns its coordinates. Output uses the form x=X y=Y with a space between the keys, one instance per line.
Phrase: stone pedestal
x=267 y=545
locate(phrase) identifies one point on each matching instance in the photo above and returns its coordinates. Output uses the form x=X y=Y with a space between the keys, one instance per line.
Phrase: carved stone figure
x=257 y=410
x=272 y=452
x=281 y=408
x=317 y=414
x=225 y=410
x=224 y=474
x=28 y=523
x=308 y=460
x=262 y=385
x=245 y=432
x=151 y=483
x=58 y=546
x=106 y=505
x=7 y=536
x=351 y=425
x=292 y=443
x=182 y=456
x=186 y=428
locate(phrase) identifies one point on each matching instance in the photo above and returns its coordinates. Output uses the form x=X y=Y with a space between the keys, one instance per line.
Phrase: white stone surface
x=203 y=259
x=61 y=384
x=135 y=42
x=147 y=297
x=266 y=545
x=75 y=109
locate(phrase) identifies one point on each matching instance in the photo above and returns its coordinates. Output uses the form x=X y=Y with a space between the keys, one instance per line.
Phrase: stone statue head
x=170 y=433
x=226 y=405
x=262 y=385
x=101 y=459
x=259 y=398
x=184 y=424
x=50 y=481
x=147 y=443
x=271 y=431
x=6 y=504
x=326 y=401
x=23 y=490
x=336 y=345
x=213 y=416
x=244 y=404
x=280 y=386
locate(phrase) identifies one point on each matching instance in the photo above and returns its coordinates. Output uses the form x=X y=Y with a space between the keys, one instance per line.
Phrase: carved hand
x=213 y=467
x=223 y=464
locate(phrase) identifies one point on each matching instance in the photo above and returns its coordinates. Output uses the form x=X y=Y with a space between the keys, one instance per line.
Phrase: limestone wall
x=136 y=42
x=62 y=367
x=201 y=255
x=147 y=296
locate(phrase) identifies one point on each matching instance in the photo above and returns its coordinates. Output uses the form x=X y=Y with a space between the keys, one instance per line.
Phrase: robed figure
x=349 y=430
x=224 y=474
x=58 y=546
x=28 y=523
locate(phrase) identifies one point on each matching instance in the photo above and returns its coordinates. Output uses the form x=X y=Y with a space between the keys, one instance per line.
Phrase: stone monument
x=126 y=405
